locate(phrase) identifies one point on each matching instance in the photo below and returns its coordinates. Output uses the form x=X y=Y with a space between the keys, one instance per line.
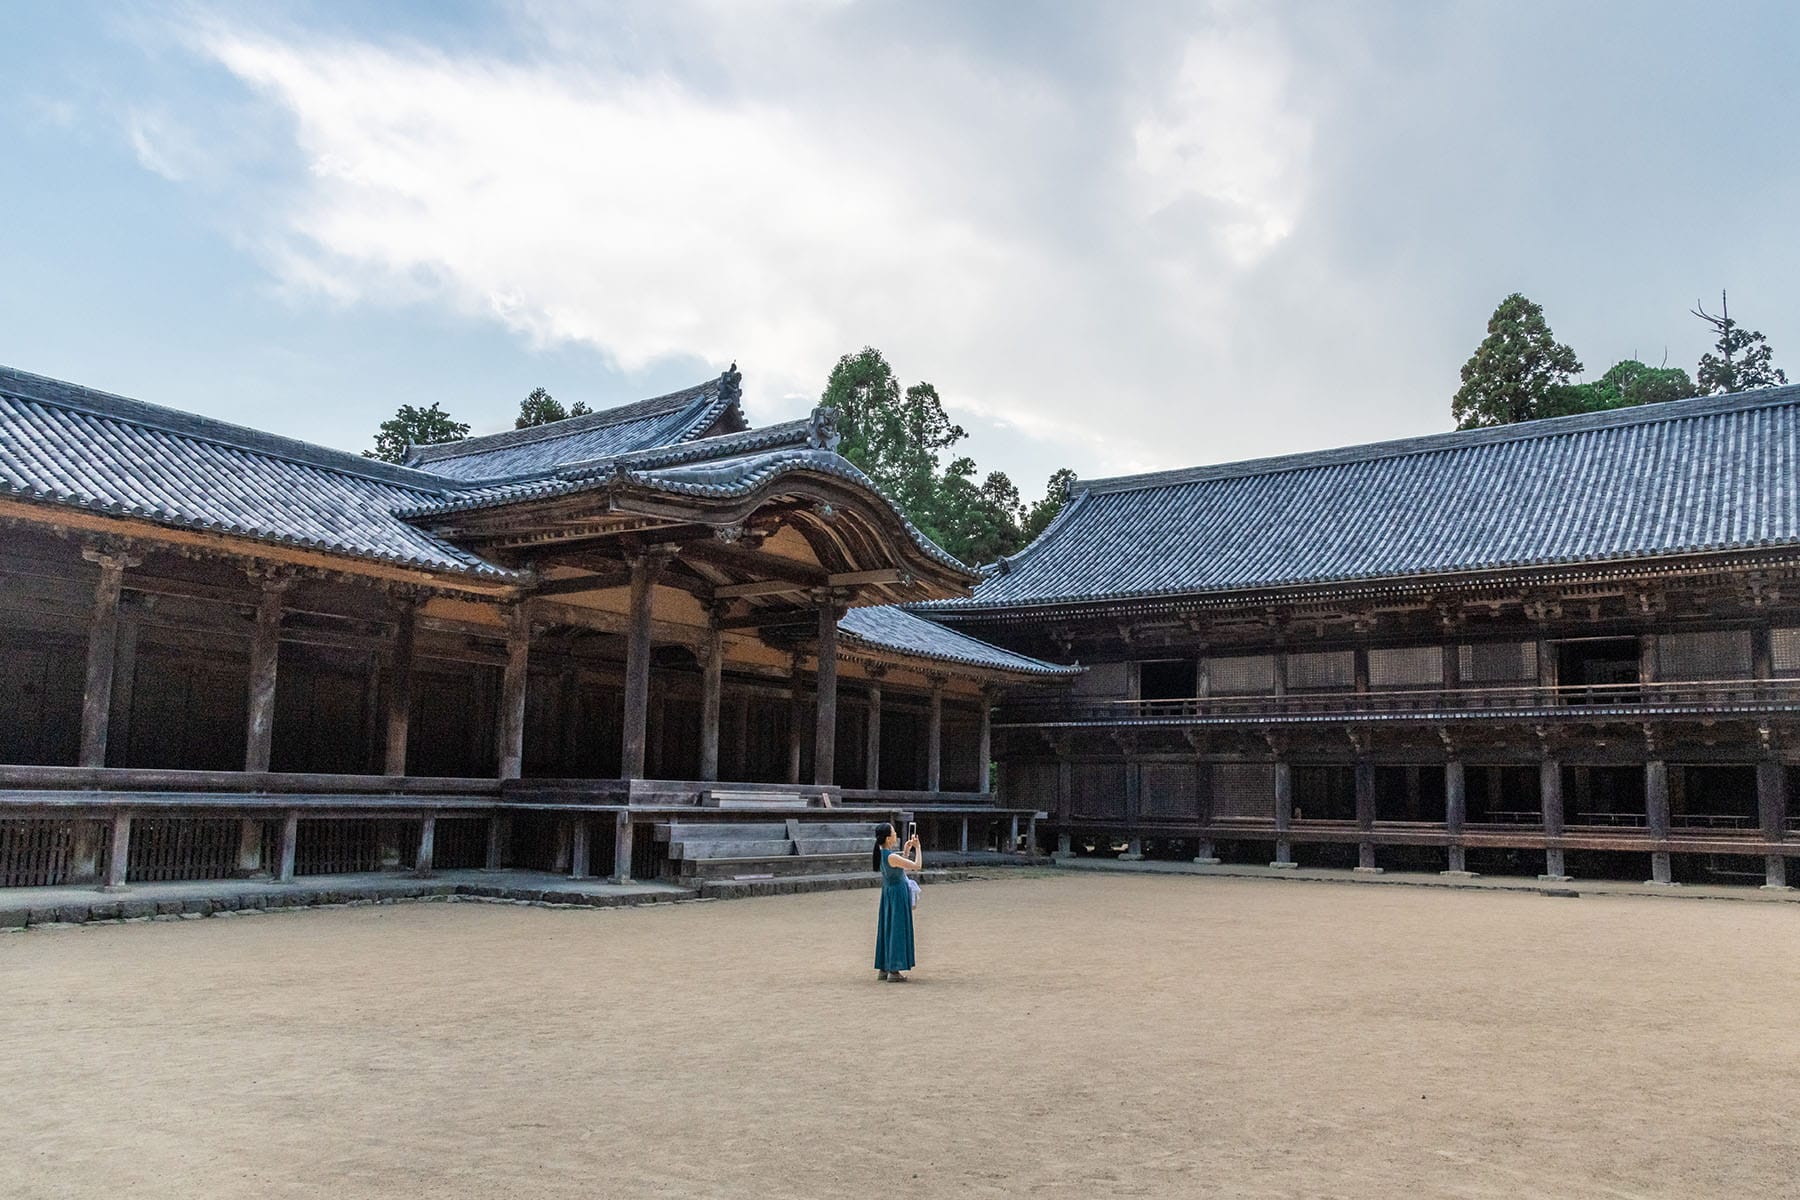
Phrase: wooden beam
x=597 y=582
x=756 y=562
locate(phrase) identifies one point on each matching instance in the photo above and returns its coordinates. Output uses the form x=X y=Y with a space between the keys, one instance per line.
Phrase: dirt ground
x=1063 y=1036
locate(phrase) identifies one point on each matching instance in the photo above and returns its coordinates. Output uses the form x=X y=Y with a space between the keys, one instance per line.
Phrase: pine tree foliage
x=541 y=408
x=415 y=427
x=1740 y=360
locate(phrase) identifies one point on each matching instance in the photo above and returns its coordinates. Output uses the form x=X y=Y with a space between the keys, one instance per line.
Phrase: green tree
x=1056 y=494
x=1515 y=370
x=415 y=427
x=894 y=436
x=1742 y=362
x=541 y=408
x=1625 y=385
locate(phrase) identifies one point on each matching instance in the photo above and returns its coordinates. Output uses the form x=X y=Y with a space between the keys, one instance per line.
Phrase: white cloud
x=162 y=146
x=1223 y=133
x=774 y=187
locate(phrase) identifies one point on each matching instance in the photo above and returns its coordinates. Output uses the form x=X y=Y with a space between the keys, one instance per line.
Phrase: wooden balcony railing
x=1574 y=700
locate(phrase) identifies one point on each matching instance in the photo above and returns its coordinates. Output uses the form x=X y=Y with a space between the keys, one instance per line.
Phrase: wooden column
x=1772 y=811
x=984 y=766
x=796 y=718
x=499 y=829
x=1206 y=854
x=119 y=866
x=399 y=689
x=97 y=694
x=581 y=853
x=872 y=769
x=249 y=852
x=1284 y=813
x=712 y=680
x=934 y=739
x=124 y=682
x=1656 y=817
x=427 y=845
x=1456 y=811
x=1365 y=813
x=511 y=748
x=644 y=570
x=622 y=829
x=265 y=654
x=825 y=709
x=287 y=847
x=1550 y=790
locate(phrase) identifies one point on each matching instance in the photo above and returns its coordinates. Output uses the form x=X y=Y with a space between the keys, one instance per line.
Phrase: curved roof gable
x=705 y=408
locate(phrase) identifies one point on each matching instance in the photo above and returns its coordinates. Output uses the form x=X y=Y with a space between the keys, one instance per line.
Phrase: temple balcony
x=1586 y=703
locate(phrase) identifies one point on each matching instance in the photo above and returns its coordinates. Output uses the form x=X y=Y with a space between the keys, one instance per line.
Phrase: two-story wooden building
x=1569 y=645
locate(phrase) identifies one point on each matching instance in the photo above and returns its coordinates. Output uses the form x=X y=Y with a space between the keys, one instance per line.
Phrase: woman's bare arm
x=897 y=859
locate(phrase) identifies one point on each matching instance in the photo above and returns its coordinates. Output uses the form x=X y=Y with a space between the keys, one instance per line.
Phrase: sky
x=1117 y=237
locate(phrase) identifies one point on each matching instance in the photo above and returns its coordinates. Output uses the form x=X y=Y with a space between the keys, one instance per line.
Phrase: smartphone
x=912 y=830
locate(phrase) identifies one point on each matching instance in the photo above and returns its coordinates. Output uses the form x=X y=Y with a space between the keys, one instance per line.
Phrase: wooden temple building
x=655 y=643
x=649 y=642
x=1566 y=646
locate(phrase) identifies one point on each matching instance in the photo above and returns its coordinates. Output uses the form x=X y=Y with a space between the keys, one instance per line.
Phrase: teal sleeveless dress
x=894 y=928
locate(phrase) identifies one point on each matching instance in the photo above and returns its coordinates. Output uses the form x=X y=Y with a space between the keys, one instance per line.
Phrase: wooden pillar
x=1772 y=811
x=934 y=739
x=644 y=570
x=249 y=851
x=1456 y=810
x=84 y=852
x=796 y=715
x=288 y=846
x=499 y=834
x=427 y=845
x=265 y=654
x=872 y=769
x=1284 y=813
x=1365 y=813
x=399 y=689
x=511 y=750
x=119 y=866
x=1550 y=790
x=622 y=829
x=97 y=693
x=124 y=682
x=581 y=854
x=712 y=681
x=984 y=767
x=1012 y=834
x=1206 y=854
x=1656 y=817
x=962 y=840
x=825 y=709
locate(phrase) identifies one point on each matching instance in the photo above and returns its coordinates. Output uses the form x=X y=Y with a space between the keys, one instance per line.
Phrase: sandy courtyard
x=1064 y=1036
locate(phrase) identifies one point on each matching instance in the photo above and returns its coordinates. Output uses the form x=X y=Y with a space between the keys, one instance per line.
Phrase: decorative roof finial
x=822 y=429
x=731 y=384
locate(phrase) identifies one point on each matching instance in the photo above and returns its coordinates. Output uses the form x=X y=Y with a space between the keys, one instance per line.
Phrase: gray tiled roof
x=71 y=445
x=1710 y=474
x=662 y=421
x=891 y=628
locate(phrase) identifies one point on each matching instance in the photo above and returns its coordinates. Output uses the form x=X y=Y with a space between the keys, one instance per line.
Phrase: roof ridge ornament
x=822 y=432
x=731 y=384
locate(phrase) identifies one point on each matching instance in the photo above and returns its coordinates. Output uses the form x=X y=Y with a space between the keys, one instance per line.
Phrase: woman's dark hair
x=881 y=835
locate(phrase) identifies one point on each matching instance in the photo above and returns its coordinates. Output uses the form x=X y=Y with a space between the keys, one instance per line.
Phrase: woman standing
x=894 y=928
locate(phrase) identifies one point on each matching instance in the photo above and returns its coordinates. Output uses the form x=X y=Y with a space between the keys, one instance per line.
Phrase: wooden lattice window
x=1785 y=647
x=1407 y=666
x=1321 y=670
x=1714 y=654
x=1498 y=662
x=1247 y=675
x=1245 y=791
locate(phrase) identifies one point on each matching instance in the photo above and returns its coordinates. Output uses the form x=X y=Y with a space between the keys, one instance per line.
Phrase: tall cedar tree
x=417 y=427
x=541 y=408
x=897 y=437
x=1742 y=362
x=1516 y=369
